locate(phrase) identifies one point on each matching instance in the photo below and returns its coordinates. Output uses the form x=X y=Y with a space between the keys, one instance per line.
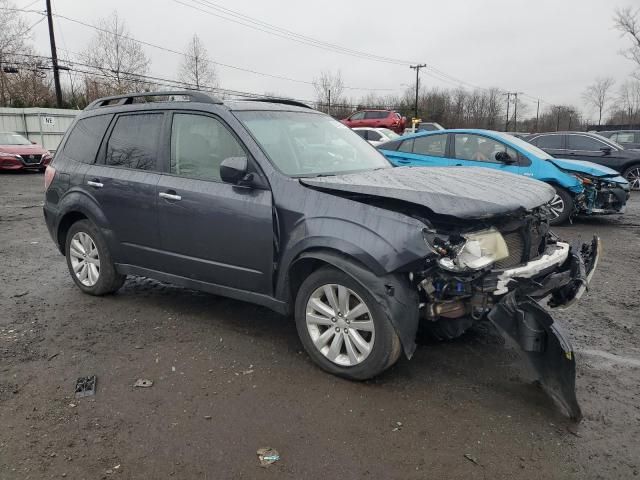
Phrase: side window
x=375 y=115
x=623 y=137
x=357 y=116
x=432 y=145
x=549 y=141
x=480 y=149
x=199 y=144
x=582 y=142
x=134 y=141
x=406 y=146
x=361 y=133
x=84 y=141
x=373 y=135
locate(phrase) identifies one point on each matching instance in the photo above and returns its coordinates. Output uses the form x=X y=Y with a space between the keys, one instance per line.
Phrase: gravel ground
x=230 y=378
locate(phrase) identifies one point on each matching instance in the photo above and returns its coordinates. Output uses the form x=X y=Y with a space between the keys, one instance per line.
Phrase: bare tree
x=117 y=58
x=196 y=68
x=627 y=22
x=597 y=95
x=329 y=89
x=14 y=33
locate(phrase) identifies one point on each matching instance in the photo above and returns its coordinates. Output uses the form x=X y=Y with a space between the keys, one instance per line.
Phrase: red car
x=376 y=119
x=18 y=153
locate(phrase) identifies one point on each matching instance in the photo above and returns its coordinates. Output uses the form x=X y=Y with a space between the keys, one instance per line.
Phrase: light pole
x=417 y=69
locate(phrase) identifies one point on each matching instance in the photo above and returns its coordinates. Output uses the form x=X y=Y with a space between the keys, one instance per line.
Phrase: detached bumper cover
x=522 y=320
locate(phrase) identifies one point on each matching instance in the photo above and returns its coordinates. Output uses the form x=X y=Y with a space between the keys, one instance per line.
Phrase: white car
x=376 y=136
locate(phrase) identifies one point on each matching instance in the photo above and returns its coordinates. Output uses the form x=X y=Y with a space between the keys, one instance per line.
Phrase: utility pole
x=515 y=112
x=329 y=105
x=506 y=122
x=54 y=56
x=537 y=115
x=417 y=69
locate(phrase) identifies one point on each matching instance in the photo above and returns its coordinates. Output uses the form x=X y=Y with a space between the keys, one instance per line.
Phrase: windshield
x=10 y=138
x=524 y=145
x=310 y=144
x=390 y=134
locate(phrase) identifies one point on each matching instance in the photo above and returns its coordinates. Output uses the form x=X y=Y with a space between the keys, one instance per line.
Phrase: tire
x=447 y=329
x=91 y=258
x=632 y=174
x=564 y=202
x=375 y=346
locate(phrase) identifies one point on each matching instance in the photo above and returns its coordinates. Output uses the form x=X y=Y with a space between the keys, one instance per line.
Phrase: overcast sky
x=551 y=49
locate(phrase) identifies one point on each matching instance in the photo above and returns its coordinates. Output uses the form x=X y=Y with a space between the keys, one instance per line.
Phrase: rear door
x=212 y=231
x=375 y=118
x=123 y=182
x=472 y=150
x=423 y=151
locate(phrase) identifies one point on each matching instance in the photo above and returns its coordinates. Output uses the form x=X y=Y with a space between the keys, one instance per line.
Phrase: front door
x=212 y=231
x=583 y=147
x=472 y=150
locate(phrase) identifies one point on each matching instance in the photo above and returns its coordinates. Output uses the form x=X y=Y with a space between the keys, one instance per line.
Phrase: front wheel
x=632 y=174
x=343 y=329
x=561 y=207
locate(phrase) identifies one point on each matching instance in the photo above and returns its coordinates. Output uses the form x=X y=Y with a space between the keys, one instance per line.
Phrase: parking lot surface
x=229 y=377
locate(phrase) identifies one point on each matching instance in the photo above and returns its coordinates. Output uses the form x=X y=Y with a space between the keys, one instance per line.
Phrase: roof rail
x=284 y=101
x=128 y=99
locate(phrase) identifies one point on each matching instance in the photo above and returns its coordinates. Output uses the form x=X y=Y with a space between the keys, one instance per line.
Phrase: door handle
x=170 y=195
x=458 y=165
x=401 y=160
x=95 y=183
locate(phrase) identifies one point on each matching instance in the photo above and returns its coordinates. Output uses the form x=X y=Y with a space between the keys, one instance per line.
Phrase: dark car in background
x=629 y=139
x=18 y=153
x=274 y=203
x=376 y=119
x=593 y=148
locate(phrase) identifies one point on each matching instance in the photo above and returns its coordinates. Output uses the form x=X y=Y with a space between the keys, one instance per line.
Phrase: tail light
x=49 y=173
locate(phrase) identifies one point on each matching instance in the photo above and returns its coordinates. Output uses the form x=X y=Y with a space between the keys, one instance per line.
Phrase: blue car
x=581 y=187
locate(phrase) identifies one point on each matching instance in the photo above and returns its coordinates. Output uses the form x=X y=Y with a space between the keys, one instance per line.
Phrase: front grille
x=31 y=158
x=515 y=244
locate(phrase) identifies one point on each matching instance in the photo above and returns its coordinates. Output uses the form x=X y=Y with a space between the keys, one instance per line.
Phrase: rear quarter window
x=85 y=138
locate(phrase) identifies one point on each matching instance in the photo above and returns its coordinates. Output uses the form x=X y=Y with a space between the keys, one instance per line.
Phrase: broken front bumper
x=562 y=274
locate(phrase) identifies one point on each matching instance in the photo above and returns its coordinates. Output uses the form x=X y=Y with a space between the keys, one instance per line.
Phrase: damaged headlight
x=479 y=250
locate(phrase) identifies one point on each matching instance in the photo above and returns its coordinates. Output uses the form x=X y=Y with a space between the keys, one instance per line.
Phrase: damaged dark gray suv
x=277 y=204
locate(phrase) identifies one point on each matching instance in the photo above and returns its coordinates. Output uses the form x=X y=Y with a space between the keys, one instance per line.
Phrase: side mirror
x=504 y=157
x=233 y=169
x=606 y=150
x=33 y=142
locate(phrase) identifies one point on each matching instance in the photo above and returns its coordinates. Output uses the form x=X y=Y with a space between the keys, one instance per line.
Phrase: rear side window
x=134 y=141
x=623 y=137
x=84 y=141
x=549 y=141
x=432 y=145
x=375 y=115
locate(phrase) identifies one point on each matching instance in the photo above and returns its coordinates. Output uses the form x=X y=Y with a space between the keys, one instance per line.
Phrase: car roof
x=477 y=131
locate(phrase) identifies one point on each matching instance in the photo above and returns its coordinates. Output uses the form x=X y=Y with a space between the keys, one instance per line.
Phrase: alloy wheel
x=340 y=325
x=633 y=177
x=85 y=259
x=556 y=205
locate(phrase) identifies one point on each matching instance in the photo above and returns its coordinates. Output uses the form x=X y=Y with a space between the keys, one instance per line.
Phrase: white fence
x=45 y=126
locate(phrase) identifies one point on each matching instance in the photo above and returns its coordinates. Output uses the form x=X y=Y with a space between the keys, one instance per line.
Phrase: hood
x=463 y=192
x=580 y=166
x=23 y=149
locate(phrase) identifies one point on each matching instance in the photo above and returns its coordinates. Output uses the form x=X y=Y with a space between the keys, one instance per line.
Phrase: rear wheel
x=561 y=207
x=89 y=260
x=343 y=329
x=632 y=174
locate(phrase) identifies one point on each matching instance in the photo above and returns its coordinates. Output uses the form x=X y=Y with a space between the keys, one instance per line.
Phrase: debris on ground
x=267 y=456
x=18 y=295
x=398 y=427
x=86 y=386
x=208 y=417
x=471 y=458
x=143 y=383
